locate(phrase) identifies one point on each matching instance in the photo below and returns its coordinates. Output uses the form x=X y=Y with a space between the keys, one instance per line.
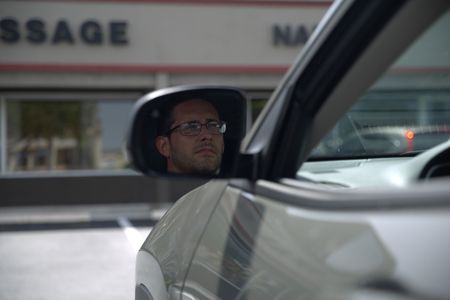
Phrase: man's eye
x=191 y=126
x=213 y=124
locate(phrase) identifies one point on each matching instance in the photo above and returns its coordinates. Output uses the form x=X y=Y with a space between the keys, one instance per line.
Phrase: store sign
x=288 y=35
x=38 y=31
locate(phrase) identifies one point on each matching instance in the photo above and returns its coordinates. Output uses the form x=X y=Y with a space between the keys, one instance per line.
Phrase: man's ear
x=163 y=146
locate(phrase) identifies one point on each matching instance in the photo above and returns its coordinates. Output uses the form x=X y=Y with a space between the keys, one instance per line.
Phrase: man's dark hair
x=166 y=117
x=166 y=112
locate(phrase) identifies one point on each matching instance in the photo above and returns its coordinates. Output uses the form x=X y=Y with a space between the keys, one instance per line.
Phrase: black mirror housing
x=231 y=104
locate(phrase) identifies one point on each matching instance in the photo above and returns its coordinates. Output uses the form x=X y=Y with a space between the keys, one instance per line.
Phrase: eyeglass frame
x=221 y=128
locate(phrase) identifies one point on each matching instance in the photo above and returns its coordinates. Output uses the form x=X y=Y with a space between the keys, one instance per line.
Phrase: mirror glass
x=188 y=130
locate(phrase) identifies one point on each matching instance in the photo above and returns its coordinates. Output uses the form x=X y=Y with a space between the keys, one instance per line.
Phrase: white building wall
x=226 y=42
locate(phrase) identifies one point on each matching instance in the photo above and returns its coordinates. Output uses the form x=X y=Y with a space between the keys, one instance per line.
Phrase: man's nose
x=205 y=133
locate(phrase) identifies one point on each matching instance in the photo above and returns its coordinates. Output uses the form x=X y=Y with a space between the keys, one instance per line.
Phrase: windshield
x=407 y=111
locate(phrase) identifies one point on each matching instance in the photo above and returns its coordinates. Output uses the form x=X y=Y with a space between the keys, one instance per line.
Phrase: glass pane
x=406 y=112
x=2 y=134
x=113 y=117
x=66 y=135
x=257 y=106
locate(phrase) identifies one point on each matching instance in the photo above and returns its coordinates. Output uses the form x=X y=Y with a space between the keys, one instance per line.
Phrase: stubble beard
x=197 y=164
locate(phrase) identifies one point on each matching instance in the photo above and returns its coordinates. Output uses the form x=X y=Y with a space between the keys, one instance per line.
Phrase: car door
x=280 y=234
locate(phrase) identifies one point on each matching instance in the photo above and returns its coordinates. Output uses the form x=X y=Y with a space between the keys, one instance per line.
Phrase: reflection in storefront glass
x=68 y=135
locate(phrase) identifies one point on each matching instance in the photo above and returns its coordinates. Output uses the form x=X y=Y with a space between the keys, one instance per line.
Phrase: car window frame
x=316 y=93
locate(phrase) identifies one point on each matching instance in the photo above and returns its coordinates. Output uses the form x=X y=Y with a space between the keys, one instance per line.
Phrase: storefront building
x=71 y=70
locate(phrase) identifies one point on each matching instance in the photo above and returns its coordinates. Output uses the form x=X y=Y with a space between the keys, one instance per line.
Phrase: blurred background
x=70 y=71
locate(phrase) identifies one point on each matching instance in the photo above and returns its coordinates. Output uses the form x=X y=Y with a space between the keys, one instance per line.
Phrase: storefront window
x=2 y=134
x=66 y=135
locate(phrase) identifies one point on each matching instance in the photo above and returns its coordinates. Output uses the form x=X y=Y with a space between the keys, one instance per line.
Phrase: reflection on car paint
x=254 y=259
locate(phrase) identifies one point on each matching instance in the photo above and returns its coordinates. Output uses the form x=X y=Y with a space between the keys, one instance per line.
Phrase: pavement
x=72 y=252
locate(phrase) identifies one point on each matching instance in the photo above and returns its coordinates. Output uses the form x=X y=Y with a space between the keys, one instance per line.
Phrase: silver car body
x=348 y=229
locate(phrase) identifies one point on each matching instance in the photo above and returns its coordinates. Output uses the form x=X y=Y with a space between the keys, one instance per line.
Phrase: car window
x=398 y=131
x=406 y=112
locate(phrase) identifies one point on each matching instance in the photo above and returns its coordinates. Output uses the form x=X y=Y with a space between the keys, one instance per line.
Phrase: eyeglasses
x=194 y=128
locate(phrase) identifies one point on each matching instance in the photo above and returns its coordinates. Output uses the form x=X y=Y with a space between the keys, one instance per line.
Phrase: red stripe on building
x=88 y=68
x=312 y=3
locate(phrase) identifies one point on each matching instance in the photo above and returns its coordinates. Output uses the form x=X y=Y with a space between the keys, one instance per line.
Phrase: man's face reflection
x=195 y=154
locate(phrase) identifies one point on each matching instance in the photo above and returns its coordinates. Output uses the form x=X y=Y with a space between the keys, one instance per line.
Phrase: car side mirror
x=147 y=114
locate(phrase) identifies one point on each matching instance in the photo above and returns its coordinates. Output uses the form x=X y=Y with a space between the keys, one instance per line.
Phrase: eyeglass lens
x=194 y=128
